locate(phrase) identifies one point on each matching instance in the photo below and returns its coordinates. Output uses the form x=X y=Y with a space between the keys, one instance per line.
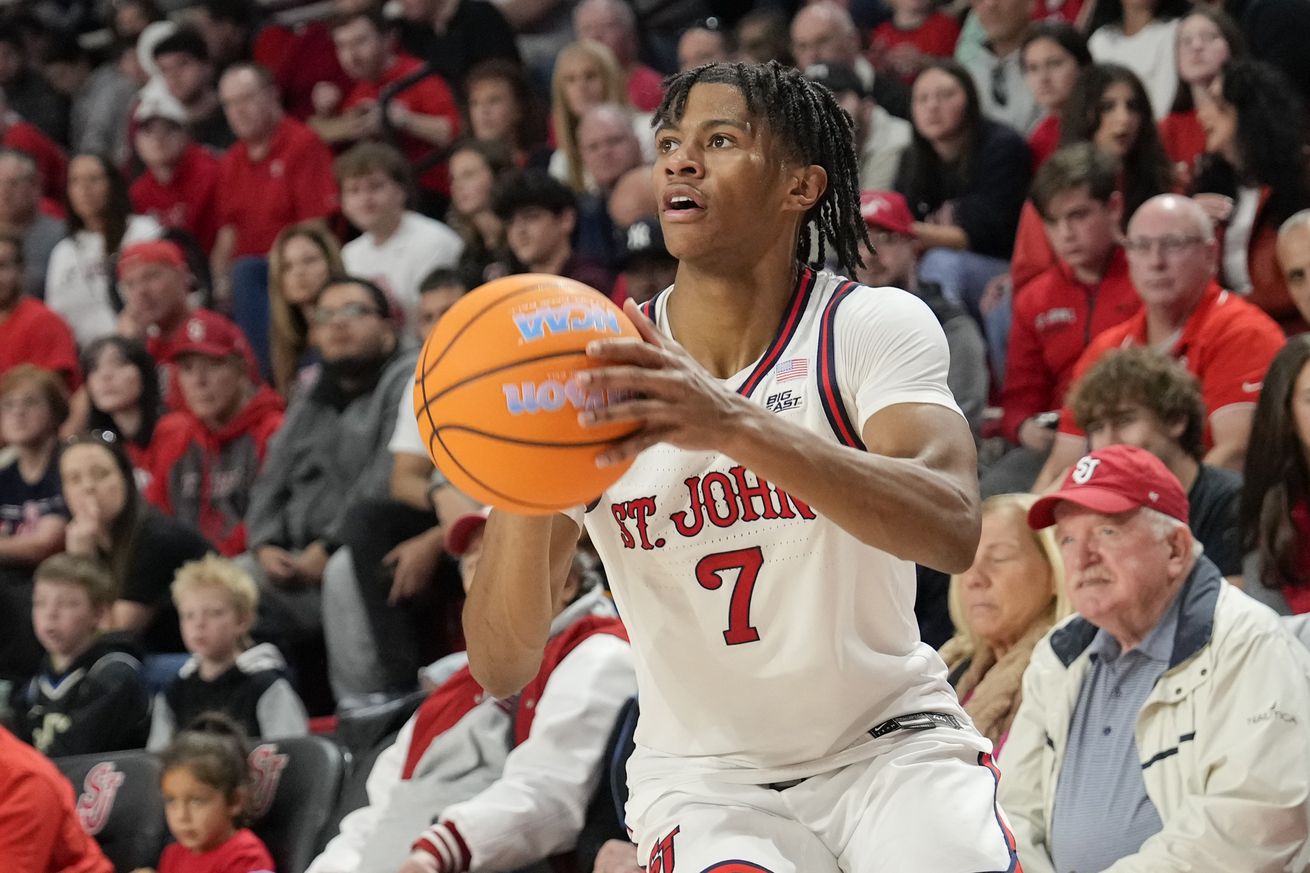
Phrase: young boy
x=216 y=602
x=396 y=247
x=89 y=695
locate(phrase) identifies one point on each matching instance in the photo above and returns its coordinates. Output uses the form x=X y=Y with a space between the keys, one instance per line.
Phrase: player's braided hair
x=813 y=128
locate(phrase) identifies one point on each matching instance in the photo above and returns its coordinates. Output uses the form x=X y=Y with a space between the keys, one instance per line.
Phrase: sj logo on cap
x=1082 y=473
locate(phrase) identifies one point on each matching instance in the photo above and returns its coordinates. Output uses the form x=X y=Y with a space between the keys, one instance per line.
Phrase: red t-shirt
x=39 y=827
x=292 y=183
x=936 y=37
x=299 y=60
x=429 y=96
x=1044 y=139
x=1183 y=139
x=51 y=162
x=645 y=88
x=188 y=201
x=34 y=334
x=243 y=853
x=1227 y=344
x=1055 y=317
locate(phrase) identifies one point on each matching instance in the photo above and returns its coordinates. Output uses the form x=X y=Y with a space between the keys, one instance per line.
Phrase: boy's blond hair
x=213 y=571
x=85 y=572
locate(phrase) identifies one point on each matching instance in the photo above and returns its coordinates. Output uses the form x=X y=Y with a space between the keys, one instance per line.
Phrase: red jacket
x=1055 y=319
x=39 y=828
x=205 y=477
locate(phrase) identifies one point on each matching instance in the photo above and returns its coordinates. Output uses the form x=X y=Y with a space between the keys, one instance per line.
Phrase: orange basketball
x=497 y=396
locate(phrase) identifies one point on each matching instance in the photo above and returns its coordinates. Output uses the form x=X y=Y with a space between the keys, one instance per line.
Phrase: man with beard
x=330 y=454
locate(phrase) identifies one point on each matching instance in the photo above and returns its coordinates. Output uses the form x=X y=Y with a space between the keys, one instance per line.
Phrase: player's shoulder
x=848 y=304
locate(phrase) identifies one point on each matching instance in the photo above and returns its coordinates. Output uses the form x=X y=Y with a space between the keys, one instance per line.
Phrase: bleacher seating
x=119 y=804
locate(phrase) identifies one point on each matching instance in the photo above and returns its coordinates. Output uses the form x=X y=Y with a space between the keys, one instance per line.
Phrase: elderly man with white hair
x=1226 y=342
x=1294 y=259
x=825 y=33
x=1163 y=727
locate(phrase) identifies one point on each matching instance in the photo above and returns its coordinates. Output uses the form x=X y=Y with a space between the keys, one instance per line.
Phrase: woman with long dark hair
x=1274 y=515
x=1053 y=54
x=1141 y=35
x=122 y=385
x=964 y=178
x=1207 y=39
x=476 y=166
x=1252 y=177
x=501 y=109
x=142 y=547
x=80 y=279
x=1108 y=108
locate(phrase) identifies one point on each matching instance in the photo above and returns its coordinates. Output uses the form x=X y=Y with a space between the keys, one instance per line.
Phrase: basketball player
x=796 y=451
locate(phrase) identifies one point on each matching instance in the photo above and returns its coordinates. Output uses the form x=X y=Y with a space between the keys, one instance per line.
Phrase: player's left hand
x=668 y=394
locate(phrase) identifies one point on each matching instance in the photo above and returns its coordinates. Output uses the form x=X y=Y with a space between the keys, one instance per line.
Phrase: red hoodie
x=205 y=477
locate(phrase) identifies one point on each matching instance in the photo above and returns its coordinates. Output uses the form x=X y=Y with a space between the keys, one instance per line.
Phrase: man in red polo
x=1057 y=314
x=277 y=174
x=424 y=115
x=179 y=187
x=1226 y=342
x=155 y=283
x=29 y=332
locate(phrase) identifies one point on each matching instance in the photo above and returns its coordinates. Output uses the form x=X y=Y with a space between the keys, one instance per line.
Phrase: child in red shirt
x=204 y=784
x=914 y=34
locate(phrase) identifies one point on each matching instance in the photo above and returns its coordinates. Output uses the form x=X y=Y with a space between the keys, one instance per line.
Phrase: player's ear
x=807 y=185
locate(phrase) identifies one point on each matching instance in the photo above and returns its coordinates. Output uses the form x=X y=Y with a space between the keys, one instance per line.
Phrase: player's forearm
x=508 y=612
x=914 y=508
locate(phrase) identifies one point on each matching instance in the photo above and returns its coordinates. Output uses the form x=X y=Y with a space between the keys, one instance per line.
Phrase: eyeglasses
x=347 y=312
x=1169 y=245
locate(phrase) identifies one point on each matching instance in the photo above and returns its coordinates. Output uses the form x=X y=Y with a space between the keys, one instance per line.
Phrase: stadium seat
x=296 y=783
x=119 y=804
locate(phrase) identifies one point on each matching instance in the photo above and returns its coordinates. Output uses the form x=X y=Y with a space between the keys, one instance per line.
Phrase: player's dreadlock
x=812 y=127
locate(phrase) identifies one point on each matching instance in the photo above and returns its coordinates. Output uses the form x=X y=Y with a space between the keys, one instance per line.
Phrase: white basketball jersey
x=765 y=635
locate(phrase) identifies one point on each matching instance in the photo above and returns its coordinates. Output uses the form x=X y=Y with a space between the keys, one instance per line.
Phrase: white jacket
x=77 y=278
x=1224 y=740
x=513 y=805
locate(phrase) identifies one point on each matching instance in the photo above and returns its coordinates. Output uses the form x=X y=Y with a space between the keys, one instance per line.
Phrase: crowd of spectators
x=224 y=233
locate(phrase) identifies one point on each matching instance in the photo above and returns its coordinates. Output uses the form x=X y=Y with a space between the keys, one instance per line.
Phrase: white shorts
x=925 y=803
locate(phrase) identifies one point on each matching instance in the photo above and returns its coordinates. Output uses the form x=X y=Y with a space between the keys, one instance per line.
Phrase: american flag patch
x=796 y=368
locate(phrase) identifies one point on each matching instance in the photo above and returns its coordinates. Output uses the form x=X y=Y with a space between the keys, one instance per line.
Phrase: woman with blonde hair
x=302 y=258
x=1002 y=606
x=586 y=75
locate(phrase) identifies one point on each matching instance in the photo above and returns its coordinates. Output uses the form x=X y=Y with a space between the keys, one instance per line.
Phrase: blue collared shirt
x=1102 y=812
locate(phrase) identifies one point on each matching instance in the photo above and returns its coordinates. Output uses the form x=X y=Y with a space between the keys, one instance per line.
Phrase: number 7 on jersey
x=747 y=562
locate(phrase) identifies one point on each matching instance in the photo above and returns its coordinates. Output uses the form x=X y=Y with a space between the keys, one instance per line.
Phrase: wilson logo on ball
x=549 y=396
x=549 y=320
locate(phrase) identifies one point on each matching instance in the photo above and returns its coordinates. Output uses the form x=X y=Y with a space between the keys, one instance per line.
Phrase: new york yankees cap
x=1112 y=480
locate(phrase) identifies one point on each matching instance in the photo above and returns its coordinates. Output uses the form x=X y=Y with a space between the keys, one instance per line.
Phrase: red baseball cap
x=209 y=334
x=156 y=251
x=1112 y=480
x=886 y=210
x=463 y=528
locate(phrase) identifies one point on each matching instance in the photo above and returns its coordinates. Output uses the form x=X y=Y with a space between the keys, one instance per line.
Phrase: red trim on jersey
x=648 y=309
x=985 y=760
x=736 y=867
x=800 y=298
x=829 y=396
